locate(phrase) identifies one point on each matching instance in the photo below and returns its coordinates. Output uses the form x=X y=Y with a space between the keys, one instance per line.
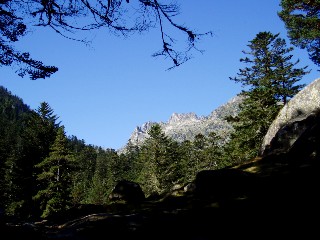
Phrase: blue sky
x=102 y=92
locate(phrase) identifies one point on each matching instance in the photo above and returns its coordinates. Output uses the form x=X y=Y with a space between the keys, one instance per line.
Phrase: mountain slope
x=185 y=126
x=11 y=107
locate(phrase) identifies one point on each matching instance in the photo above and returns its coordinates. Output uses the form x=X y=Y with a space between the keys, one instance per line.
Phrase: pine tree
x=187 y=160
x=25 y=138
x=55 y=177
x=130 y=162
x=198 y=161
x=213 y=152
x=104 y=177
x=49 y=124
x=85 y=163
x=269 y=81
x=301 y=19
x=159 y=157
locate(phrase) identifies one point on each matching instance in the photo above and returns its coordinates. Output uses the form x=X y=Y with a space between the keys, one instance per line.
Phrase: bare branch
x=69 y=17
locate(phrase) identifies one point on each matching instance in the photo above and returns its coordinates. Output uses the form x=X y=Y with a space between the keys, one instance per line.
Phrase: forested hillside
x=37 y=156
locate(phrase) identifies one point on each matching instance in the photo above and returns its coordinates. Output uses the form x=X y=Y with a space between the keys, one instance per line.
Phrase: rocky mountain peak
x=144 y=127
x=185 y=126
x=177 y=118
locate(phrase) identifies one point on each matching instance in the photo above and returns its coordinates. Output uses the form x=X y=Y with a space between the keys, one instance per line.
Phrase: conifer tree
x=213 y=152
x=27 y=137
x=130 y=161
x=301 y=19
x=45 y=127
x=198 y=161
x=55 y=177
x=269 y=80
x=187 y=159
x=104 y=177
x=159 y=156
x=84 y=168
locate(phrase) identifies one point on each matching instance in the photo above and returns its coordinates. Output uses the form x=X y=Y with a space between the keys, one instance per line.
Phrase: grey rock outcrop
x=185 y=126
x=294 y=121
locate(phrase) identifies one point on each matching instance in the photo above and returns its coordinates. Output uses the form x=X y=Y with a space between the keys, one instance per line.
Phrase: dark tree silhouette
x=70 y=17
x=302 y=21
x=11 y=29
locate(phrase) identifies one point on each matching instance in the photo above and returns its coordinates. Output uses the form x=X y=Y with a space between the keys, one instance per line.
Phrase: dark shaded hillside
x=269 y=197
x=13 y=115
x=11 y=106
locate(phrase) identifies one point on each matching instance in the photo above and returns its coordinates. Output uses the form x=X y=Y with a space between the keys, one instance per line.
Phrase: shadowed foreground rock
x=127 y=191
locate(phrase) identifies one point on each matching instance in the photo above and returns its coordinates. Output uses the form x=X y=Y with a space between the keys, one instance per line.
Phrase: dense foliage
x=54 y=178
x=301 y=18
x=269 y=79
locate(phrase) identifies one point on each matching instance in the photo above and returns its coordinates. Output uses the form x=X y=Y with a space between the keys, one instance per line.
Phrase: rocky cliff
x=185 y=126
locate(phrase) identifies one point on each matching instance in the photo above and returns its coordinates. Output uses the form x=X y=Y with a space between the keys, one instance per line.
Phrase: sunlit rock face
x=185 y=126
x=297 y=120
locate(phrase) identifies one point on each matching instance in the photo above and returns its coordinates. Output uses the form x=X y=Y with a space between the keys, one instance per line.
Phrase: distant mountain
x=185 y=126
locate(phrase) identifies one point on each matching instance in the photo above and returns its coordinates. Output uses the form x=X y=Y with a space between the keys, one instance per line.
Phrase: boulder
x=298 y=140
x=297 y=120
x=127 y=191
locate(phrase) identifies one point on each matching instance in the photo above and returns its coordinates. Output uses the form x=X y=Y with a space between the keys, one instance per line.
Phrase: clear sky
x=102 y=92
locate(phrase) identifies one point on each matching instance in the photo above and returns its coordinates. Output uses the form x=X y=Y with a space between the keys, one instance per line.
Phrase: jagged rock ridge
x=185 y=126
